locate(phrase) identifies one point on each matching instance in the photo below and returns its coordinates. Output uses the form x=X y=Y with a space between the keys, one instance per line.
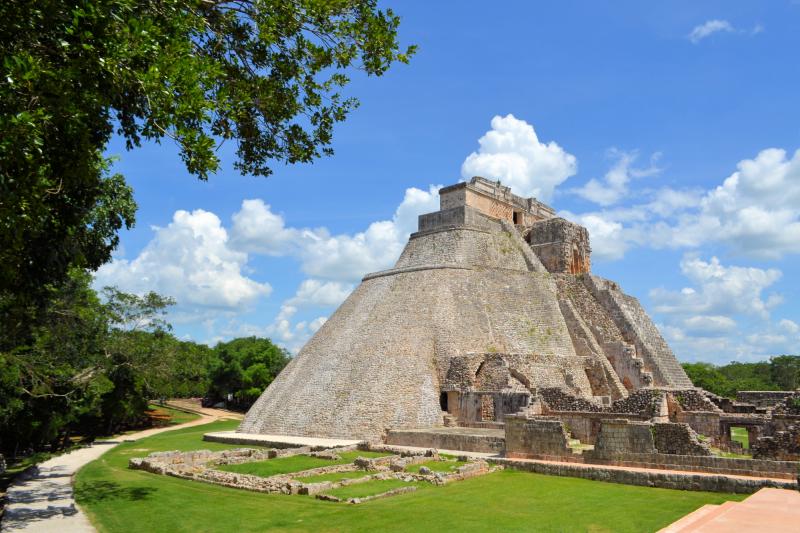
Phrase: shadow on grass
x=98 y=491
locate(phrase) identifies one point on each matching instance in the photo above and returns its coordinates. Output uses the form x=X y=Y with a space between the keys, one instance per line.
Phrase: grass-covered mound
x=333 y=476
x=446 y=466
x=370 y=488
x=122 y=500
x=294 y=463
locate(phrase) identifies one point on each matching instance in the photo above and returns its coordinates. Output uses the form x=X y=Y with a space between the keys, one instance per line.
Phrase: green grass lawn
x=170 y=416
x=121 y=500
x=294 y=463
x=437 y=466
x=740 y=435
x=333 y=476
x=369 y=488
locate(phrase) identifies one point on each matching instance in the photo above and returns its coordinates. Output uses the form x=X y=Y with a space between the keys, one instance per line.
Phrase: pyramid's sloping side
x=378 y=361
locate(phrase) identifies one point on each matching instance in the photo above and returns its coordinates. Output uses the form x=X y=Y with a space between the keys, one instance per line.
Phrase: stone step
x=708 y=517
x=689 y=519
x=712 y=516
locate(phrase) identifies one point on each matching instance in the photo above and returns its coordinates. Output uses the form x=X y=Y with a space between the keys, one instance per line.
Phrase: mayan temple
x=491 y=301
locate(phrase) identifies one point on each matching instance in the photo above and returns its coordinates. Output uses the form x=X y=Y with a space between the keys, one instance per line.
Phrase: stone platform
x=450 y=438
x=775 y=510
x=275 y=441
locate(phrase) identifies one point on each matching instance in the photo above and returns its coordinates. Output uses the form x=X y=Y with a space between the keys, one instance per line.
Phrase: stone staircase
x=773 y=510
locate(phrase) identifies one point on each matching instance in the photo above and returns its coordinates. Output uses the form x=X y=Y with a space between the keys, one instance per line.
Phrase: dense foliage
x=94 y=362
x=779 y=373
x=242 y=369
x=266 y=75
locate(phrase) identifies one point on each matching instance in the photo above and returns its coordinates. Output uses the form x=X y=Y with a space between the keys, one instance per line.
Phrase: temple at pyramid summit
x=490 y=333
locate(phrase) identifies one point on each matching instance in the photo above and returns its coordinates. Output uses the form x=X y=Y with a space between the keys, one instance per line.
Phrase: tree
x=244 y=368
x=785 y=371
x=265 y=74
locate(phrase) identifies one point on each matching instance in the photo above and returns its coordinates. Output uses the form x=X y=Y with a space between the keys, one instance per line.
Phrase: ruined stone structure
x=491 y=302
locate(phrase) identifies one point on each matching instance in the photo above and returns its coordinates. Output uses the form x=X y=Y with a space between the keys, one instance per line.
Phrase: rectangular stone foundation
x=455 y=438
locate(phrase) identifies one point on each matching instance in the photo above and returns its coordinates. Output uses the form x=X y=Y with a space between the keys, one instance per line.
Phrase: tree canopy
x=779 y=373
x=266 y=75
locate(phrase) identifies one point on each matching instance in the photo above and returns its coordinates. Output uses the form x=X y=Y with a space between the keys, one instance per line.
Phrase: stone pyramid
x=491 y=300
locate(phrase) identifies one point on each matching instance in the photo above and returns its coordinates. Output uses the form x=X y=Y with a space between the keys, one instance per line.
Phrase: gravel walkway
x=42 y=500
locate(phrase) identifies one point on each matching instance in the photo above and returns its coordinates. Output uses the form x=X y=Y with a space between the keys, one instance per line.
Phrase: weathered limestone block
x=621 y=436
x=527 y=437
x=562 y=246
x=679 y=439
x=783 y=446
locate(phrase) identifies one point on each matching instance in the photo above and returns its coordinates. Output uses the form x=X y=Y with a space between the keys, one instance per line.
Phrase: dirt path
x=42 y=499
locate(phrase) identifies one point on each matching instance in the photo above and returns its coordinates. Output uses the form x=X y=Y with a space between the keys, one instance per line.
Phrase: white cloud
x=316 y=293
x=614 y=185
x=755 y=212
x=605 y=235
x=789 y=326
x=341 y=257
x=719 y=290
x=310 y=294
x=191 y=260
x=724 y=315
x=708 y=28
x=511 y=152
x=257 y=229
x=709 y=326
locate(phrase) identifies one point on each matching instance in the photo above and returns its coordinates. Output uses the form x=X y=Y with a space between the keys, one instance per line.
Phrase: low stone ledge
x=388 y=493
x=654 y=478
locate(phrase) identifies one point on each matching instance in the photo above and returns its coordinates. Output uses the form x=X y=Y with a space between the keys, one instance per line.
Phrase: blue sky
x=668 y=129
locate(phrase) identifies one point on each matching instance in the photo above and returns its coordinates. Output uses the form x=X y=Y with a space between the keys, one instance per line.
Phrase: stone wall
x=652 y=478
x=703 y=422
x=678 y=439
x=644 y=402
x=782 y=446
x=698 y=463
x=764 y=398
x=464 y=439
x=695 y=400
x=562 y=246
x=637 y=329
x=455 y=217
x=531 y=436
x=620 y=436
x=586 y=425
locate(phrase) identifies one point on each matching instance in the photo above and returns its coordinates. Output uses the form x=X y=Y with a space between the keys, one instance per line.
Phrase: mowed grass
x=333 y=476
x=169 y=416
x=437 y=466
x=121 y=500
x=294 y=463
x=370 y=488
x=739 y=434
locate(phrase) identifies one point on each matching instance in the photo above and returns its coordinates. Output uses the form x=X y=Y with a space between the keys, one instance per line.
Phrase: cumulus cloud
x=343 y=257
x=708 y=28
x=719 y=290
x=614 y=185
x=316 y=293
x=512 y=153
x=789 y=326
x=310 y=294
x=724 y=315
x=755 y=212
x=191 y=260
